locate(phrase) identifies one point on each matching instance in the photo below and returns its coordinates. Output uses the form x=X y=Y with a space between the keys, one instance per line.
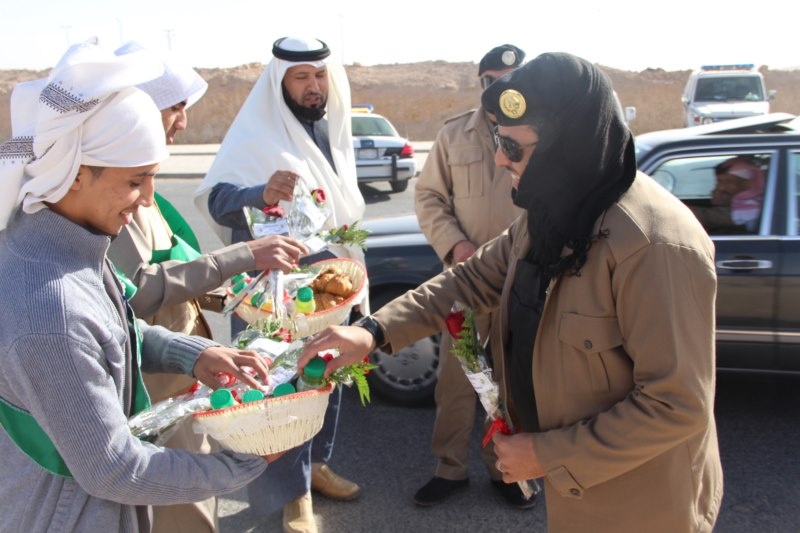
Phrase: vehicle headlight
x=707 y=120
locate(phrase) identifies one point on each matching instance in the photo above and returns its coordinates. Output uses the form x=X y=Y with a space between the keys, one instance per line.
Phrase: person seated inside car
x=736 y=199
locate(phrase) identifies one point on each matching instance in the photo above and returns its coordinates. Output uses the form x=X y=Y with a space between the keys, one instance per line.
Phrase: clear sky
x=623 y=34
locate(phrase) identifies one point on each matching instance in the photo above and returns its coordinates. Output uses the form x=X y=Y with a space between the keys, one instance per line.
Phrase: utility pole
x=66 y=34
x=169 y=39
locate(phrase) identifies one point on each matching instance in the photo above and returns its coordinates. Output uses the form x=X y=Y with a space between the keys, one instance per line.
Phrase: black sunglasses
x=511 y=148
x=486 y=81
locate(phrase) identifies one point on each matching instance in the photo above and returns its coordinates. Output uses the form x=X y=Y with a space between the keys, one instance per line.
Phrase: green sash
x=29 y=437
x=180 y=228
x=185 y=246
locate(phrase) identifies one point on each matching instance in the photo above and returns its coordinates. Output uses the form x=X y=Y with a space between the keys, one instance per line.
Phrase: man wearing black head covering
x=605 y=290
x=462 y=201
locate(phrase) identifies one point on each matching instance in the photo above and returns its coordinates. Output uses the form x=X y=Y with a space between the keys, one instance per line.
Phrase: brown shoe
x=298 y=516
x=329 y=484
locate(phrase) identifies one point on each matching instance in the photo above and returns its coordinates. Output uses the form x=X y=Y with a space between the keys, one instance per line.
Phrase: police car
x=381 y=153
x=723 y=92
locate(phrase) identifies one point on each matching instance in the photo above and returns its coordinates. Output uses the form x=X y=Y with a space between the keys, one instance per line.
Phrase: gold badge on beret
x=512 y=103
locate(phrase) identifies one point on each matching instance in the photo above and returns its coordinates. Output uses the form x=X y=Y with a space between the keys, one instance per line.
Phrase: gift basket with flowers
x=292 y=414
x=267 y=426
x=314 y=296
x=271 y=419
x=335 y=286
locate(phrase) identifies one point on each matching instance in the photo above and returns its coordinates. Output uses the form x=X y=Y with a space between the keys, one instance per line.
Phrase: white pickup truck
x=722 y=92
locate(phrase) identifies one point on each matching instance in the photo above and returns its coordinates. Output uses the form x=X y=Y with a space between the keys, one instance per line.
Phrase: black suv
x=757 y=245
x=758 y=252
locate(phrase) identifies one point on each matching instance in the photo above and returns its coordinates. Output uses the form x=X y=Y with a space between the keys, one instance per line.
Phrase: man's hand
x=462 y=251
x=216 y=359
x=277 y=252
x=354 y=344
x=280 y=187
x=516 y=457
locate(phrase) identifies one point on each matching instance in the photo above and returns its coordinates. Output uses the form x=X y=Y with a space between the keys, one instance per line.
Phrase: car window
x=724 y=191
x=372 y=125
x=724 y=89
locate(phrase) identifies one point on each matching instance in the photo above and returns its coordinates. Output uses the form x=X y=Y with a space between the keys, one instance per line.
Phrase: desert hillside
x=418 y=97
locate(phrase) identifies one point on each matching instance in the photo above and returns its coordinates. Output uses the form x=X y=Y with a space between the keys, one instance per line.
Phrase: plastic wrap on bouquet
x=158 y=423
x=302 y=218
x=470 y=353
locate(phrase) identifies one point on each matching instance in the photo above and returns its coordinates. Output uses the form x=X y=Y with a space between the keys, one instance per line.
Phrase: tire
x=407 y=378
x=399 y=186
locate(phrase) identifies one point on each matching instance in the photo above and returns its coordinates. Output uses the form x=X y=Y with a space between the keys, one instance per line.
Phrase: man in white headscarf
x=86 y=147
x=159 y=256
x=294 y=125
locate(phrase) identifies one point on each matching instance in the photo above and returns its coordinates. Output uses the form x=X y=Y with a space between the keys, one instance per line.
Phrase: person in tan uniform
x=167 y=278
x=605 y=289
x=462 y=201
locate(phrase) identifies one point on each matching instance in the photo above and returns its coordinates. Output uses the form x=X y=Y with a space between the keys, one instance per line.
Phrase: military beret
x=500 y=58
x=555 y=92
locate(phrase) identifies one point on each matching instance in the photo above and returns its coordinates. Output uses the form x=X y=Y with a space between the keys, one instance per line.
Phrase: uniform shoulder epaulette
x=456 y=117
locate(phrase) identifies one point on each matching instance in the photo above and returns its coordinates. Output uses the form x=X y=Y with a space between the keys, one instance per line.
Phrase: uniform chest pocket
x=596 y=361
x=466 y=165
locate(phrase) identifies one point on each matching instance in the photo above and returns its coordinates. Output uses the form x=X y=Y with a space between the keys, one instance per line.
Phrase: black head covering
x=501 y=57
x=301 y=53
x=583 y=162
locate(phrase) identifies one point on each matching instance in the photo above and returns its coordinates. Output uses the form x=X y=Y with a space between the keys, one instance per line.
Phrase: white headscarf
x=87 y=112
x=179 y=82
x=266 y=137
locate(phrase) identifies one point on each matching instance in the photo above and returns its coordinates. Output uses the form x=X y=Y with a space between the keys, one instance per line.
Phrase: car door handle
x=745 y=264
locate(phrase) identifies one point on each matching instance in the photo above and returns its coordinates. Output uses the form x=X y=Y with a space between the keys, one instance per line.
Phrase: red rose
x=318 y=195
x=284 y=334
x=274 y=211
x=344 y=227
x=455 y=323
x=225 y=379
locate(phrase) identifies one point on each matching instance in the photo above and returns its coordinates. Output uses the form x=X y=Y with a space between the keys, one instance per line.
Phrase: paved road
x=386 y=448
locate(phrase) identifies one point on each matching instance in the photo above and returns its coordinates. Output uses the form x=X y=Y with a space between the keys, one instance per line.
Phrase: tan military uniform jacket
x=623 y=365
x=461 y=194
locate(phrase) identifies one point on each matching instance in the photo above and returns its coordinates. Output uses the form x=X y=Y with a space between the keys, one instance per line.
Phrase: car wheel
x=399 y=186
x=409 y=376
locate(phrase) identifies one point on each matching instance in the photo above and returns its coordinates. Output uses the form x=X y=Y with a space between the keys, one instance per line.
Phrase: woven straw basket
x=305 y=325
x=267 y=426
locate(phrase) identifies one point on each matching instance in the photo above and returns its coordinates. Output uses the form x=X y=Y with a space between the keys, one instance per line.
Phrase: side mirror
x=771 y=94
x=685 y=99
x=630 y=114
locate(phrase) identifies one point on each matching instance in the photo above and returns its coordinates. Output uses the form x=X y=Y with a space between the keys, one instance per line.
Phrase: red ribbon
x=498 y=424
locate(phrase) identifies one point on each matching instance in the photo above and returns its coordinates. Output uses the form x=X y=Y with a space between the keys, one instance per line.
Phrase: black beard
x=303 y=113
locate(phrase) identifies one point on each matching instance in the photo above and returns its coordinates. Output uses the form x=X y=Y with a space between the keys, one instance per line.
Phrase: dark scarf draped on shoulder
x=583 y=163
